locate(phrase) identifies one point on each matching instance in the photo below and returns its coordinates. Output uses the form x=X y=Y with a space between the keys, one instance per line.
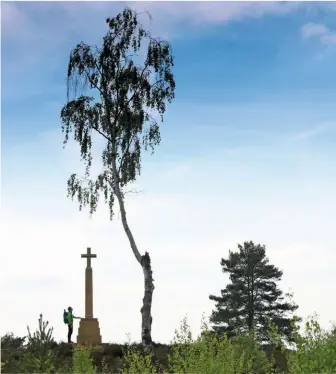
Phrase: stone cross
x=89 y=331
x=88 y=284
x=88 y=255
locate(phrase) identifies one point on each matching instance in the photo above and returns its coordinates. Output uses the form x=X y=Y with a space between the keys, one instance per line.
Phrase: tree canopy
x=128 y=94
x=252 y=301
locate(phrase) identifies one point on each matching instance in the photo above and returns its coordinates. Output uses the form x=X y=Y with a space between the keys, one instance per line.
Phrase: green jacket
x=70 y=318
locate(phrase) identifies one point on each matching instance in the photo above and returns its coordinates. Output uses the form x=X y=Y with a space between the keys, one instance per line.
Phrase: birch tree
x=127 y=98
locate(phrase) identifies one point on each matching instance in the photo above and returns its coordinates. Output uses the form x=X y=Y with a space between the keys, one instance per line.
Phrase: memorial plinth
x=89 y=331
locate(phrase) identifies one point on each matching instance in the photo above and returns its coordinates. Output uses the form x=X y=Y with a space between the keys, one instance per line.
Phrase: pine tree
x=252 y=301
x=39 y=357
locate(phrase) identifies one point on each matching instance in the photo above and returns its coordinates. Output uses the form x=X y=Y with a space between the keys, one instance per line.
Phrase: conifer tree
x=252 y=301
x=39 y=357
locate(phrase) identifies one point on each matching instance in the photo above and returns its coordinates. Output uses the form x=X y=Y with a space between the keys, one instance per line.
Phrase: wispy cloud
x=214 y=12
x=320 y=31
x=316 y=130
x=17 y=19
x=10 y=18
x=22 y=23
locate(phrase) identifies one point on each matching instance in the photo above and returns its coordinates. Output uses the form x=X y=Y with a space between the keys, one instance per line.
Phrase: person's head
x=70 y=309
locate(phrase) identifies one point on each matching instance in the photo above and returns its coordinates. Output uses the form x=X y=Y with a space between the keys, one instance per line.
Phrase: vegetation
x=313 y=351
x=39 y=357
x=253 y=330
x=126 y=95
x=252 y=301
x=254 y=346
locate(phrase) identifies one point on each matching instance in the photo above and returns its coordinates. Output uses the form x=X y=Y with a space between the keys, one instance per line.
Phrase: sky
x=247 y=153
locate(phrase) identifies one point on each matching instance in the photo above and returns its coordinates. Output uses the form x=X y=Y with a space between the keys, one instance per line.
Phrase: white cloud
x=329 y=38
x=319 y=129
x=188 y=217
x=313 y=29
x=22 y=24
x=11 y=17
x=212 y=12
x=71 y=18
x=325 y=35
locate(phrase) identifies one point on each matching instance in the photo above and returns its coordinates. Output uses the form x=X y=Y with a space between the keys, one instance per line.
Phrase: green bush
x=314 y=351
x=82 y=361
x=211 y=353
x=12 y=351
x=39 y=356
x=139 y=361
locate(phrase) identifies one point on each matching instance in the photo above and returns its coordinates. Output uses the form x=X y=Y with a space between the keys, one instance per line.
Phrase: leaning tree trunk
x=144 y=261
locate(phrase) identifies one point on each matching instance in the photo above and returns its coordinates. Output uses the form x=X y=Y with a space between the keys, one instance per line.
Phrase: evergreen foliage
x=39 y=357
x=252 y=301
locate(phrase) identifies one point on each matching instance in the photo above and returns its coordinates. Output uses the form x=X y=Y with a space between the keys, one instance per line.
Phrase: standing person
x=69 y=317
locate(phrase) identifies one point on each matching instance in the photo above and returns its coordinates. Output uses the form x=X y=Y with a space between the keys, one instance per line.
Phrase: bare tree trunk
x=146 y=326
x=144 y=261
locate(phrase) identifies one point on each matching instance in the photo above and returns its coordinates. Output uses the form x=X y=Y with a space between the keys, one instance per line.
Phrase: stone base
x=89 y=331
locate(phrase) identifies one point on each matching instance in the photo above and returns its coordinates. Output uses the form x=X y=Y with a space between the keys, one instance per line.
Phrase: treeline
x=253 y=329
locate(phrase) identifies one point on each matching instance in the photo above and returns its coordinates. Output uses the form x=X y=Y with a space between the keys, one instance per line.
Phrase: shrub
x=137 y=360
x=12 y=350
x=215 y=354
x=39 y=356
x=315 y=351
x=82 y=361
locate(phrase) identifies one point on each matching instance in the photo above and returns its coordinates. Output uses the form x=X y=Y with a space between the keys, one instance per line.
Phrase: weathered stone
x=89 y=331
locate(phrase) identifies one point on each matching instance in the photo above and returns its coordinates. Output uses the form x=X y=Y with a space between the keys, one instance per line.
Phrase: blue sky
x=247 y=153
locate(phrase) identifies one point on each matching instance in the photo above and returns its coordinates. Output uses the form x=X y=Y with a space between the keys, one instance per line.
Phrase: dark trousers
x=70 y=330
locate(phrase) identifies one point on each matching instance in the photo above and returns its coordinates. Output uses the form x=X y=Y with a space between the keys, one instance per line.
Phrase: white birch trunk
x=144 y=261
